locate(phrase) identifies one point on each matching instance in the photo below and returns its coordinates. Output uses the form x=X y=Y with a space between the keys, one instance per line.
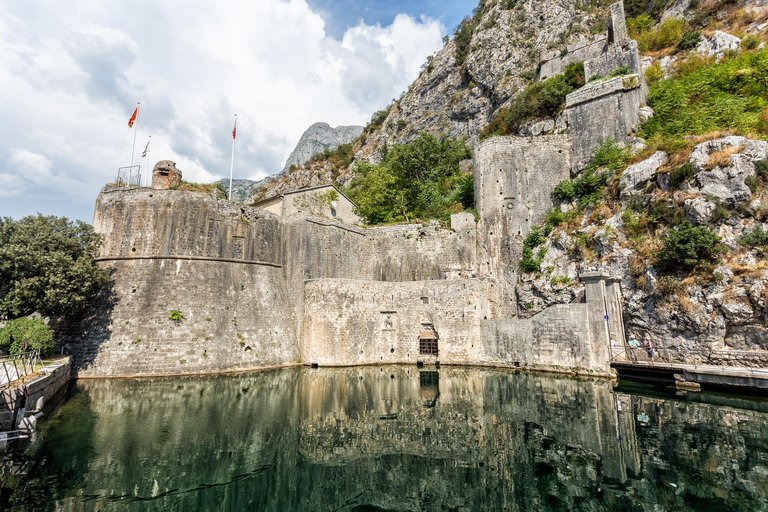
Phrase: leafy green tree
x=420 y=179
x=47 y=266
x=25 y=335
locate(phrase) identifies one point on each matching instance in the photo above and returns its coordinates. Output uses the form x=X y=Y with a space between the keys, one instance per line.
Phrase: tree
x=688 y=246
x=26 y=334
x=47 y=266
x=420 y=179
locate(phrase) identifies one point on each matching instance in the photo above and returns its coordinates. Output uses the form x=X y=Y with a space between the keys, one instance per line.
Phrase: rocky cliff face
x=319 y=137
x=715 y=316
x=457 y=100
x=242 y=190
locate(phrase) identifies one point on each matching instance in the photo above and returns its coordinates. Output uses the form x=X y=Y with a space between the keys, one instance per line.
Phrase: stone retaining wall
x=52 y=380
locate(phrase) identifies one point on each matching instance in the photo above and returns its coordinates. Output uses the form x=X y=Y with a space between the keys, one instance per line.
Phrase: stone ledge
x=591 y=92
x=191 y=258
x=336 y=224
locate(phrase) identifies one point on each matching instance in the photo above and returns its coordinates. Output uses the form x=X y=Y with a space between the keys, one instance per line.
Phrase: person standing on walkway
x=649 y=348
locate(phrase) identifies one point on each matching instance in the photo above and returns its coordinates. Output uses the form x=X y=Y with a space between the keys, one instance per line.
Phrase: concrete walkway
x=755 y=379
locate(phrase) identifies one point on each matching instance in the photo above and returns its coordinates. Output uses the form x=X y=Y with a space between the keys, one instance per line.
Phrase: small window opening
x=428 y=344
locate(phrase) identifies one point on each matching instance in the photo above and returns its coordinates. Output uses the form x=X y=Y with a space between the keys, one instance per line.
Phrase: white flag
x=146 y=149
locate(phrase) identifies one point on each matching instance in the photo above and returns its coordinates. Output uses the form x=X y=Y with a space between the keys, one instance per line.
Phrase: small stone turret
x=165 y=175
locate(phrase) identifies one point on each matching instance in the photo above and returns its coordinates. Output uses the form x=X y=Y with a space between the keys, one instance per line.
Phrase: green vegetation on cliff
x=539 y=100
x=417 y=180
x=706 y=95
x=688 y=246
x=47 y=266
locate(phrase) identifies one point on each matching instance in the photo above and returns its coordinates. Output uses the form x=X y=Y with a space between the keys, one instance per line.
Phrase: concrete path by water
x=702 y=374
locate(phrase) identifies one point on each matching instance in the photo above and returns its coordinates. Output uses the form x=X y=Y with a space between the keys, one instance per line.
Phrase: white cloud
x=72 y=72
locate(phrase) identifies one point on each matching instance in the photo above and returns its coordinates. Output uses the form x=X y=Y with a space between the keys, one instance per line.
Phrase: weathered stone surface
x=645 y=113
x=754 y=149
x=699 y=209
x=728 y=184
x=616 y=101
x=458 y=101
x=718 y=44
x=317 y=138
x=638 y=174
x=165 y=175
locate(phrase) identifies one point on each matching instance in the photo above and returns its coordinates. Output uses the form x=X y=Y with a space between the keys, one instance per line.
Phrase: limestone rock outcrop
x=319 y=137
x=458 y=100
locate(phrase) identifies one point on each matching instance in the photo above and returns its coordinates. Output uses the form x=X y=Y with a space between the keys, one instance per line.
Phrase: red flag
x=234 y=130
x=133 y=118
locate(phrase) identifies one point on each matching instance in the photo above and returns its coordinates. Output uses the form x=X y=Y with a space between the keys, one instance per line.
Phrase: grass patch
x=707 y=96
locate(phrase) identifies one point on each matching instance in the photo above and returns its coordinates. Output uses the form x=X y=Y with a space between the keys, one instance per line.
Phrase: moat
x=391 y=438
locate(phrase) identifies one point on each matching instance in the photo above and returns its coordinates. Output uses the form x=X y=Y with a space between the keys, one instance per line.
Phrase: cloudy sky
x=71 y=72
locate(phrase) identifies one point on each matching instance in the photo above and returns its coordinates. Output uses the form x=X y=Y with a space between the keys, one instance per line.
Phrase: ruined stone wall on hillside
x=615 y=102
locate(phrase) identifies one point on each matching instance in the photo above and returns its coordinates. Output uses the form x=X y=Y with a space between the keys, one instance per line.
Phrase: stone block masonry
x=219 y=264
x=235 y=316
x=350 y=321
x=567 y=335
x=616 y=101
x=514 y=180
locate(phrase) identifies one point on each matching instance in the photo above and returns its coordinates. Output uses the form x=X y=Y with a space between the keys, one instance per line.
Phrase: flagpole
x=147 y=164
x=232 y=163
x=135 y=128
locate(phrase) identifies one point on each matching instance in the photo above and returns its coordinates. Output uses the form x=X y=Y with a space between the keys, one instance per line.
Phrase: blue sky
x=72 y=72
x=339 y=15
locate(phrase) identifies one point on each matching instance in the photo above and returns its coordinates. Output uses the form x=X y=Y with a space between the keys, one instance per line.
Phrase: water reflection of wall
x=397 y=438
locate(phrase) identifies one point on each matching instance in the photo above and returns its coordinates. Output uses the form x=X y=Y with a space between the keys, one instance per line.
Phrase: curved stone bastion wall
x=218 y=264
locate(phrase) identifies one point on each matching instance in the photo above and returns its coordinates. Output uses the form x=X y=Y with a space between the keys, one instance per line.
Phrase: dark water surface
x=392 y=438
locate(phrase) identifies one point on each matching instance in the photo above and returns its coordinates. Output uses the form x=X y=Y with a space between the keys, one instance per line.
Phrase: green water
x=392 y=438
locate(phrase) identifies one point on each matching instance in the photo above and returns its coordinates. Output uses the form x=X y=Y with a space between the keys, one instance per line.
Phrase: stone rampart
x=350 y=321
x=218 y=264
x=142 y=222
x=565 y=335
x=615 y=102
x=316 y=248
x=514 y=180
x=616 y=56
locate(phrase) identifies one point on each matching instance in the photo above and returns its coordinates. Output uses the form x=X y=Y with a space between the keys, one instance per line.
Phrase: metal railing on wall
x=18 y=366
x=129 y=176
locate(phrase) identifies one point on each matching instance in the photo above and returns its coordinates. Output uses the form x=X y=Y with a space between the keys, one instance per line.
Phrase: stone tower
x=165 y=175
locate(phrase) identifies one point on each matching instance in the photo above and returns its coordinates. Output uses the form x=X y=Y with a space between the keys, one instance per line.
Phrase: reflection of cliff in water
x=390 y=439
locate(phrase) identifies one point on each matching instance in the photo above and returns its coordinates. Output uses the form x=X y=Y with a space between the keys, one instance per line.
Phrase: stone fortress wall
x=260 y=290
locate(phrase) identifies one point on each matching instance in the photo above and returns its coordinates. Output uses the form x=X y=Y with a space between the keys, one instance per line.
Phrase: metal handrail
x=17 y=366
x=129 y=176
